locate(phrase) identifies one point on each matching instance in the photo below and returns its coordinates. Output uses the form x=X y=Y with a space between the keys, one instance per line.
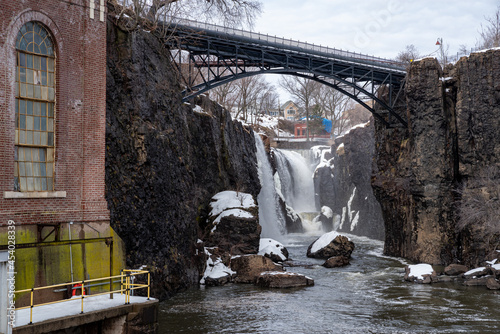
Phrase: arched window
x=35 y=98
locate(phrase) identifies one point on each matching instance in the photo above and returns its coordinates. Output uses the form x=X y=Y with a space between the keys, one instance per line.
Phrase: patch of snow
x=424 y=58
x=363 y=125
x=496 y=266
x=445 y=79
x=230 y=199
x=349 y=203
x=486 y=50
x=343 y=217
x=355 y=221
x=199 y=110
x=323 y=241
x=475 y=270
x=492 y=262
x=73 y=307
x=199 y=241
x=327 y=212
x=231 y=212
x=271 y=246
x=418 y=270
x=215 y=269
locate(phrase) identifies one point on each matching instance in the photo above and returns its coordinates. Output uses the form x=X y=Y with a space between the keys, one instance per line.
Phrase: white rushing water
x=295 y=180
x=270 y=217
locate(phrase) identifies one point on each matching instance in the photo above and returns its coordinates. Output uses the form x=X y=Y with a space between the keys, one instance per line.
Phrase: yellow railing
x=126 y=287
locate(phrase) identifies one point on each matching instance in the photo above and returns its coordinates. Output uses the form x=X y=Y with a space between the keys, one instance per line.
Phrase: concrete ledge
x=81 y=320
x=34 y=194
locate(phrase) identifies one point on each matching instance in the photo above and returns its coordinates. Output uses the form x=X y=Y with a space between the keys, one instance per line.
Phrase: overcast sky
x=377 y=27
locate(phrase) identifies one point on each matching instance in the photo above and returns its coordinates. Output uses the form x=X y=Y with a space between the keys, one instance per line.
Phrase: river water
x=368 y=296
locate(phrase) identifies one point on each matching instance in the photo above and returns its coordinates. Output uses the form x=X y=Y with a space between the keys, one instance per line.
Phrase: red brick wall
x=80 y=111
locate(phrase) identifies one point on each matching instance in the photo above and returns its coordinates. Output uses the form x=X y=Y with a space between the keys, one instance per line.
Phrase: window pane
x=23 y=184
x=29 y=107
x=43 y=124
x=50 y=185
x=50 y=107
x=36 y=169
x=29 y=76
x=38 y=92
x=36 y=62
x=29 y=137
x=50 y=79
x=50 y=64
x=23 y=90
x=43 y=138
x=36 y=138
x=51 y=94
x=22 y=137
x=17 y=186
x=22 y=59
x=16 y=138
x=43 y=62
x=31 y=184
x=29 y=91
x=44 y=78
x=43 y=109
x=50 y=124
x=22 y=74
x=29 y=61
x=35 y=154
x=44 y=184
x=50 y=156
x=49 y=170
x=29 y=122
x=28 y=168
x=41 y=153
x=22 y=106
x=50 y=138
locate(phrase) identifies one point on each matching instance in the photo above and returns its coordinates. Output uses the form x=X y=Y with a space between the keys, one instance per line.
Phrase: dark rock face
x=336 y=261
x=164 y=161
x=453 y=134
x=283 y=280
x=344 y=185
x=340 y=246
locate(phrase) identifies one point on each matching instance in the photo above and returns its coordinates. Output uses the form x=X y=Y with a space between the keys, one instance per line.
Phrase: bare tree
x=490 y=34
x=225 y=95
x=480 y=201
x=231 y=13
x=303 y=90
x=334 y=104
x=409 y=54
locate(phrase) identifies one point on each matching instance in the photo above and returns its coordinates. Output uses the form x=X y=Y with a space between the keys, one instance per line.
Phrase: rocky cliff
x=343 y=183
x=421 y=173
x=165 y=160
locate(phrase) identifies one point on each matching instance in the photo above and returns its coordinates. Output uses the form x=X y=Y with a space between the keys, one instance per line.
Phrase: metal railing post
x=31 y=306
x=82 y=289
x=149 y=284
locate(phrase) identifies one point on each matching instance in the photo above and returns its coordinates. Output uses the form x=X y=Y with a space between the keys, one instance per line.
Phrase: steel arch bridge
x=209 y=56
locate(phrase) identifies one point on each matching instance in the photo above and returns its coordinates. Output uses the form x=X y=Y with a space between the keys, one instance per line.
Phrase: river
x=368 y=296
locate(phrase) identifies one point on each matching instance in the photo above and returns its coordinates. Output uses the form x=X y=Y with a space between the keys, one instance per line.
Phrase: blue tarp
x=326 y=123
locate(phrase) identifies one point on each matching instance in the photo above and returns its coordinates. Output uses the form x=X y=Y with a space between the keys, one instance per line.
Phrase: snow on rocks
x=216 y=272
x=420 y=273
x=231 y=199
x=331 y=244
x=233 y=223
x=273 y=249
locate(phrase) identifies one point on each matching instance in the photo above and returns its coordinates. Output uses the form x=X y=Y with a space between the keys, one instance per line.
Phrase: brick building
x=52 y=138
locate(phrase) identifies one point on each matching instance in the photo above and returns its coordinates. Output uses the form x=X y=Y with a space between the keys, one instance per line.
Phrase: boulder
x=329 y=245
x=293 y=222
x=326 y=218
x=273 y=249
x=336 y=261
x=234 y=224
x=479 y=281
x=249 y=267
x=420 y=273
x=279 y=279
x=492 y=284
x=455 y=269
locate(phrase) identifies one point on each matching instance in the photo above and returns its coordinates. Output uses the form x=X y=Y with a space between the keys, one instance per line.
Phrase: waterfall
x=270 y=216
x=295 y=180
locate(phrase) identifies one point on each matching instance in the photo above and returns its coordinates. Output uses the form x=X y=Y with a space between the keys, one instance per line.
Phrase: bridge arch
x=215 y=55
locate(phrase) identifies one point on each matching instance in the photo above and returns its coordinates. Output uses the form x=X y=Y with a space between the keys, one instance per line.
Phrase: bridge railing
x=172 y=20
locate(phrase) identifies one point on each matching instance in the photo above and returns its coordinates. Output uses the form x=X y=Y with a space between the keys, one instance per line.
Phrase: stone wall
x=453 y=134
x=164 y=160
